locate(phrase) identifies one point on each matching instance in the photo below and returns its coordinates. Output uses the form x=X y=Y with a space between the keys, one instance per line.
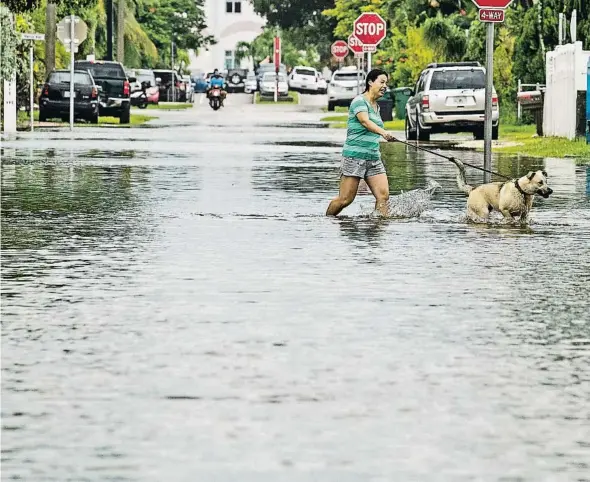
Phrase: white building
x=229 y=22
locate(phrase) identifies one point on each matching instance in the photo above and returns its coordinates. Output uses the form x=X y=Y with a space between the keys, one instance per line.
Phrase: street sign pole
x=72 y=48
x=31 y=84
x=487 y=148
x=358 y=75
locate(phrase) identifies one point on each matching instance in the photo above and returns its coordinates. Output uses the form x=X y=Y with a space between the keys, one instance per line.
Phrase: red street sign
x=370 y=28
x=492 y=3
x=340 y=49
x=495 y=15
x=355 y=45
x=277 y=53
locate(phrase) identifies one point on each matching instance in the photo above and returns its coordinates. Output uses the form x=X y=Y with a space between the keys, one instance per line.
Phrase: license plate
x=459 y=100
x=350 y=89
x=67 y=93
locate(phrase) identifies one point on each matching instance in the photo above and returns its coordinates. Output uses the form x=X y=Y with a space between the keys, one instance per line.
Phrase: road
x=176 y=306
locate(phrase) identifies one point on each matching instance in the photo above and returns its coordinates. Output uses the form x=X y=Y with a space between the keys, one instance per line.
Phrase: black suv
x=54 y=100
x=114 y=87
x=236 y=80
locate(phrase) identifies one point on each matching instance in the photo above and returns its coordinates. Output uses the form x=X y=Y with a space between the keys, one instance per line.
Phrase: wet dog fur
x=511 y=198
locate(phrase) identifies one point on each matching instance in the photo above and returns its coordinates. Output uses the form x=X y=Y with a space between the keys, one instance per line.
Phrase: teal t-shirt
x=360 y=142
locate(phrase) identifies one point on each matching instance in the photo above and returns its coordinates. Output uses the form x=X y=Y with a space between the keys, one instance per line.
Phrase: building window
x=229 y=59
x=229 y=7
x=238 y=7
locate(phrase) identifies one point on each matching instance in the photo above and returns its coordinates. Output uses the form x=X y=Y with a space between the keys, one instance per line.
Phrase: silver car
x=450 y=97
x=344 y=86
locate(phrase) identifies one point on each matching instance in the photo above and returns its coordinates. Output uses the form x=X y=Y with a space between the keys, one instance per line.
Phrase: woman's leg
x=380 y=188
x=348 y=188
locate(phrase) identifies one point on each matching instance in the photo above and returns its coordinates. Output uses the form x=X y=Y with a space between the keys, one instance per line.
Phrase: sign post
x=356 y=46
x=71 y=31
x=490 y=12
x=32 y=36
x=370 y=29
x=277 y=62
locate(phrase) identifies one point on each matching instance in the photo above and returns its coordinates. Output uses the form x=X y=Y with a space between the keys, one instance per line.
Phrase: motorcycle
x=139 y=97
x=215 y=100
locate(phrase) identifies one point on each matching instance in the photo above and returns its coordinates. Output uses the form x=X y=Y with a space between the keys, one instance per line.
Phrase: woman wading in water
x=361 y=158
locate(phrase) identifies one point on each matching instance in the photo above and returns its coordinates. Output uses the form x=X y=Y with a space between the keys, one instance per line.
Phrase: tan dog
x=511 y=198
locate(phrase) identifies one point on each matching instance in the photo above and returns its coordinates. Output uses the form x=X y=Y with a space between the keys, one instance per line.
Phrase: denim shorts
x=361 y=167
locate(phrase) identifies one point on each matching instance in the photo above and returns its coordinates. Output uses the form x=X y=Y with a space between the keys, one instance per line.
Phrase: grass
x=292 y=94
x=23 y=120
x=527 y=143
x=171 y=106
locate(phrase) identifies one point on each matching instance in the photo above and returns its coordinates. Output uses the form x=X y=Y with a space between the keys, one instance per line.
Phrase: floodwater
x=175 y=307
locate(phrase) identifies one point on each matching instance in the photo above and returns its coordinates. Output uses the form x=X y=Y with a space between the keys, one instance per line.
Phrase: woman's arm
x=368 y=124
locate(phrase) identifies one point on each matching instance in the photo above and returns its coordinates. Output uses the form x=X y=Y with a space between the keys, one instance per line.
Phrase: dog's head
x=536 y=183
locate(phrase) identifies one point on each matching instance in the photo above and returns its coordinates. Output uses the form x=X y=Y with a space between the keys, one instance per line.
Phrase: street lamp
x=178 y=15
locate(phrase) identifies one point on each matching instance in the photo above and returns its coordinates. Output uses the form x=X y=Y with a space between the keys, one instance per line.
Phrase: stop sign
x=339 y=49
x=355 y=45
x=370 y=28
x=492 y=3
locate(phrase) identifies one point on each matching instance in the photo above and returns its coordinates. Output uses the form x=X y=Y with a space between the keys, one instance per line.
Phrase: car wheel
x=479 y=133
x=495 y=132
x=66 y=118
x=42 y=116
x=125 y=116
x=331 y=106
x=420 y=134
x=93 y=119
x=410 y=134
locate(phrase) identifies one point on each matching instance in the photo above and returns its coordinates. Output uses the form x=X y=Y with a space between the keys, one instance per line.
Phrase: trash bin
x=401 y=95
x=386 y=107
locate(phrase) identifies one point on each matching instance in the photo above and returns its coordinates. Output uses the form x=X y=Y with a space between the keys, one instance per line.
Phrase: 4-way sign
x=492 y=10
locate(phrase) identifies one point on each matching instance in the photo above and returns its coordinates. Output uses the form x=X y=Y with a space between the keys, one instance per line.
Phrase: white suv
x=344 y=86
x=303 y=79
x=450 y=97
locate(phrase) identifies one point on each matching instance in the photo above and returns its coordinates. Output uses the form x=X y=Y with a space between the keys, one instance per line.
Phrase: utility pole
x=50 y=28
x=109 y=7
x=121 y=31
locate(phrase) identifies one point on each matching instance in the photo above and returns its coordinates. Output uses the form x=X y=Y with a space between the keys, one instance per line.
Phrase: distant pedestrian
x=361 y=158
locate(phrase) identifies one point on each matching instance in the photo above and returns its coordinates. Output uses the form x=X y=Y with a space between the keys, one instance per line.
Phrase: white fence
x=566 y=75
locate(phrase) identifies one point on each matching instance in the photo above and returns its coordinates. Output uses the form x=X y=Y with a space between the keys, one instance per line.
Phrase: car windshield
x=64 y=78
x=98 y=70
x=348 y=76
x=457 y=79
x=271 y=77
x=305 y=72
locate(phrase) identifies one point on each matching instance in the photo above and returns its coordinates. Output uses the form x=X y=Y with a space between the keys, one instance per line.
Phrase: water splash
x=410 y=204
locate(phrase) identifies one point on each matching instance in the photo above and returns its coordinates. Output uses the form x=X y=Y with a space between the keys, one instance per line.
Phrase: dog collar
x=519 y=188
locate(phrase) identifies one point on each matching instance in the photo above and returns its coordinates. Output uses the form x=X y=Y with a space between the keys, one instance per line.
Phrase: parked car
x=167 y=77
x=54 y=100
x=236 y=80
x=264 y=68
x=304 y=79
x=322 y=84
x=344 y=86
x=199 y=83
x=450 y=97
x=145 y=76
x=188 y=85
x=114 y=91
x=268 y=84
x=250 y=85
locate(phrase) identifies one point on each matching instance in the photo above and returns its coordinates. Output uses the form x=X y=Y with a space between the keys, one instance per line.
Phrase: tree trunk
x=109 y=9
x=121 y=31
x=50 y=31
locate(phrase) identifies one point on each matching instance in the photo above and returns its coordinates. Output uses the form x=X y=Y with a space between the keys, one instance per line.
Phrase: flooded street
x=176 y=307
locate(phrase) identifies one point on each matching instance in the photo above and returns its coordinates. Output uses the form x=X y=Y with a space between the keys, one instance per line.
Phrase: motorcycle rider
x=217 y=80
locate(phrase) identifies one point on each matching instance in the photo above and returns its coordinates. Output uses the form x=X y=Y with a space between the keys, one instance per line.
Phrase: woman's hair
x=372 y=77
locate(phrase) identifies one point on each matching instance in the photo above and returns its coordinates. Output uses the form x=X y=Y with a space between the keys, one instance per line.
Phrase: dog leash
x=452 y=159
